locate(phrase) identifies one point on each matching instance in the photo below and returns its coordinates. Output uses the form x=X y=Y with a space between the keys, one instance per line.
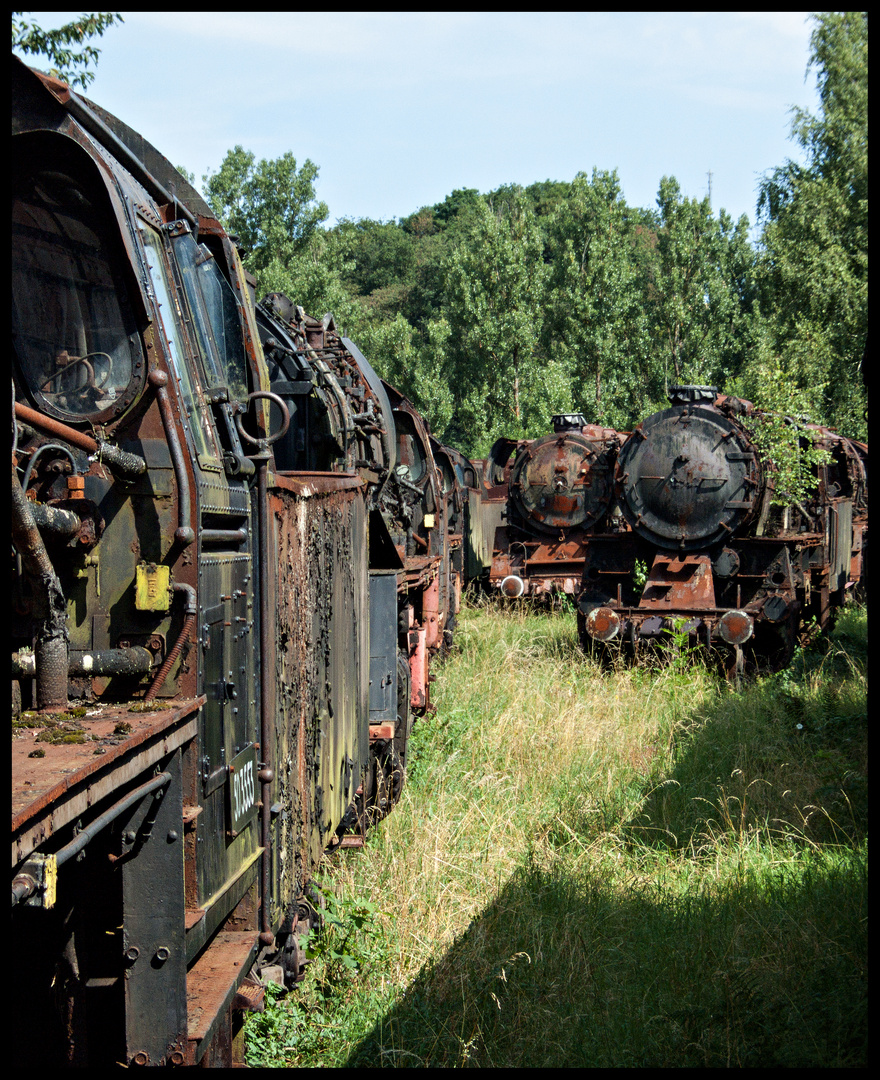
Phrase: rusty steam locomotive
x=688 y=497
x=236 y=552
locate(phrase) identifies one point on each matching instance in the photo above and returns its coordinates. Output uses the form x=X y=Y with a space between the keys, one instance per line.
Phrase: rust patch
x=680 y=582
x=38 y=783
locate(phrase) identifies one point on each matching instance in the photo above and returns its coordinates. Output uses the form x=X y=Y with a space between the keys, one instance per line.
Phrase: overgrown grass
x=604 y=868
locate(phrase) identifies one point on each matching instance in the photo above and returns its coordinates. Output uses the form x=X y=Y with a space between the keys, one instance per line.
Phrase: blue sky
x=399 y=109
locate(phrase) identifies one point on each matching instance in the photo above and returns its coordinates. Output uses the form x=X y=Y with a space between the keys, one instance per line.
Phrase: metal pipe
x=190 y=612
x=23 y=886
x=229 y=536
x=56 y=522
x=90 y=832
x=131 y=661
x=36 y=454
x=55 y=427
x=267 y=726
x=50 y=607
x=121 y=462
x=185 y=533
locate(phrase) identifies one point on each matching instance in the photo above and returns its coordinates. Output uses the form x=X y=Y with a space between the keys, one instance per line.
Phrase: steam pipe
x=184 y=533
x=50 y=607
x=131 y=661
x=128 y=466
x=54 y=521
x=190 y=612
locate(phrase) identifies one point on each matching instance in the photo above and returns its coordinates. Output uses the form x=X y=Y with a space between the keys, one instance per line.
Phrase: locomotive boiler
x=231 y=569
x=726 y=556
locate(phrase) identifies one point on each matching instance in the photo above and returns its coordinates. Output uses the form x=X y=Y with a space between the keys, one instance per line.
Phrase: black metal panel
x=688 y=478
x=153 y=945
x=383 y=646
x=228 y=645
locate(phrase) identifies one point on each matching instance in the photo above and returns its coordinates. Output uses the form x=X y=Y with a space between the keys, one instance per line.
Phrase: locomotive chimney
x=692 y=395
x=568 y=422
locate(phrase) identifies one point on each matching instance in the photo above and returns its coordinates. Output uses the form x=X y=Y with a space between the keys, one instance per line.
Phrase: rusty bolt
x=162 y=953
x=141 y=1058
x=132 y=953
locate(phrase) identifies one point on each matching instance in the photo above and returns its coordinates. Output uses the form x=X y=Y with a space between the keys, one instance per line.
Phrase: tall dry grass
x=606 y=867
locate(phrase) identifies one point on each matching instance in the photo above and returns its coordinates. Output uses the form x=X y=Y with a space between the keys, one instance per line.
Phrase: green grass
x=612 y=868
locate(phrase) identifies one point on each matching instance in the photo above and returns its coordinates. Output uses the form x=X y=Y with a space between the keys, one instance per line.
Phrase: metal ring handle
x=285 y=413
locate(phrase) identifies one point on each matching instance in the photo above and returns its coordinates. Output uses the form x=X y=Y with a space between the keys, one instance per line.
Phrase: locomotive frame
x=725 y=563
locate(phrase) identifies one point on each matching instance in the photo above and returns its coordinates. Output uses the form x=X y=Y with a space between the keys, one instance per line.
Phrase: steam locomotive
x=544 y=499
x=678 y=528
x=729 y=559
x=236 y=552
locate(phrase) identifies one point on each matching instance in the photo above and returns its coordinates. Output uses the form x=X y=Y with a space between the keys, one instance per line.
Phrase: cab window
x=197 y=409
x=216 y=316
x=74 y=331
x=410 y=453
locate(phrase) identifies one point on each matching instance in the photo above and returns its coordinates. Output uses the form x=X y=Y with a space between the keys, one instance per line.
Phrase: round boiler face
x=688 y=478
x=562 y=482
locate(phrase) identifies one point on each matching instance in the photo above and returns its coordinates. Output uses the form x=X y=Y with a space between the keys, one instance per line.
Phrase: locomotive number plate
x=242 y=788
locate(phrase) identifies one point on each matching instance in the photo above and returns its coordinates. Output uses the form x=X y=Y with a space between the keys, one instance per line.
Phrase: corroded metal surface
x=321 y=668
x=50 y=789
x=688 y=478
x=542 y=501
x=562 y=482
x=212 y=985
x=724 y=562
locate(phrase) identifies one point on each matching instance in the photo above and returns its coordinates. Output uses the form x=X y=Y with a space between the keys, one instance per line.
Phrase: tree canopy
x=60 y=46
x=813 y=270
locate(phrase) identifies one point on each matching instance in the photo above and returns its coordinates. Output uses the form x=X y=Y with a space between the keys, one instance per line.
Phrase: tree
x=814 y=259
x=596 y=326
x=494 y=301
x=380 y=261
x=269 y=205
x=70 y=65
x=272 y=210
x=699 y=293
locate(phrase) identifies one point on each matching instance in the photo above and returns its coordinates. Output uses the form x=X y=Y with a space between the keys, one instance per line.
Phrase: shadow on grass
x=567 y=970
x=724 y=924
x=786 y=758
